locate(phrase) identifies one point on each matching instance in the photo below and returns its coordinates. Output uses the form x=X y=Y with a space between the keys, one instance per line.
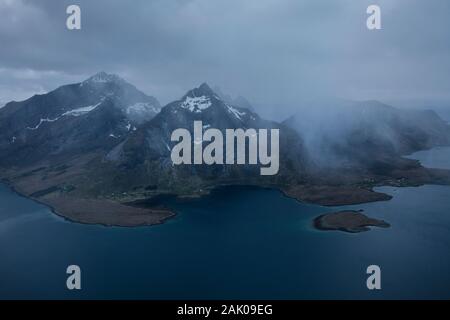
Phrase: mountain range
x=99 y=151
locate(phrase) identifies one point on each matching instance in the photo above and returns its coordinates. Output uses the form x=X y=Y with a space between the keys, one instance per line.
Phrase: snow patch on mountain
x=80 y=111
x=102 y=77
x=140 y=108
x=196 y=104
x=167 y=146
x=74 y=113
x=41 y=122
x=238 y=114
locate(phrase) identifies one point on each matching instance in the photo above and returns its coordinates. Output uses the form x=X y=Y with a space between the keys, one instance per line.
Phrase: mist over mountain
x=343 y=133
x=238 y=101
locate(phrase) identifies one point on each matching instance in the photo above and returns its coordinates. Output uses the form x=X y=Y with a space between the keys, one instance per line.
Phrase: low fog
x=341 y=133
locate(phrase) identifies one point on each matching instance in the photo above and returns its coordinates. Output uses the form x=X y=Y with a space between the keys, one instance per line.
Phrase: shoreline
x=136 y=213
x=146 y=216
x=350 y=221
x=69 y=218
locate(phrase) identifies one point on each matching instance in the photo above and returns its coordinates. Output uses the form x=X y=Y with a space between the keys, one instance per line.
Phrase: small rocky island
x=348 y=221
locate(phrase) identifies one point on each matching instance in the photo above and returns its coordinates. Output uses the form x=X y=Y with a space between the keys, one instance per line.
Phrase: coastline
x=349 y=221
x=136 y=214
x=147 y=216
x=138 y=211
x=331 y=196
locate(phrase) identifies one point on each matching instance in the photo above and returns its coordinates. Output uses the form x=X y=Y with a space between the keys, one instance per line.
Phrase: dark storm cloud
x=275 y=52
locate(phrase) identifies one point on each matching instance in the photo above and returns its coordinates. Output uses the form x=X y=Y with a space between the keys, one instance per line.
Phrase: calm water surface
x=239 y=242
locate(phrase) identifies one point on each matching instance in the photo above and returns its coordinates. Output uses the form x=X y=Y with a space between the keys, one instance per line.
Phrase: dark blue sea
x=238 y=243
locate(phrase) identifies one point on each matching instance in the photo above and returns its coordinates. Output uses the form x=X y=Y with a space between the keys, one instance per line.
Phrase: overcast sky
x=277 y=53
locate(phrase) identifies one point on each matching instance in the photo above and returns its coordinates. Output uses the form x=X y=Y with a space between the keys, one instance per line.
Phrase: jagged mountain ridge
x=105 y=153
x=146 y=152
x=94 y=114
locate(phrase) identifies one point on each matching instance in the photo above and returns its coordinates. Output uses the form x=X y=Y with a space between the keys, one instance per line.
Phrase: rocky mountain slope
x=73 y=119
x=99 y=151
x=147 y=151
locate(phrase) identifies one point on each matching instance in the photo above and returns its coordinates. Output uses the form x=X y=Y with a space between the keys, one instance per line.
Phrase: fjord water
x=239 y=242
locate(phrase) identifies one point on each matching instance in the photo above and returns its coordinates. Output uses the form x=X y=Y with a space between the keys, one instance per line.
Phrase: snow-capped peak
x=196 y=104
x=199 y=99
x=103 y=77
x=202 y=90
